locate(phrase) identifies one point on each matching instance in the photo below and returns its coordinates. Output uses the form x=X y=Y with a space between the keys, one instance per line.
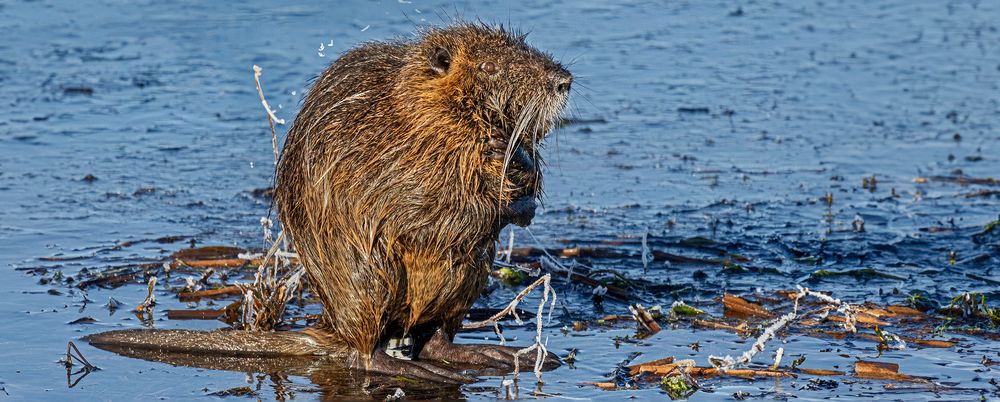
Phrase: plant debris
x=664 y=372
x=883 y=371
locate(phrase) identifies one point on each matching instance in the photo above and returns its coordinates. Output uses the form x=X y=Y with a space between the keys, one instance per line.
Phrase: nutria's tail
x=220 y=342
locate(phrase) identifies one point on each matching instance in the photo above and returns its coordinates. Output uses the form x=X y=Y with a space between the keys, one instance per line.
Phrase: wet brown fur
x=384 y=182
x=389 y=185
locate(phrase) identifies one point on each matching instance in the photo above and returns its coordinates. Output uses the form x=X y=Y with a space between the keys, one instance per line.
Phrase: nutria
x=406 y=160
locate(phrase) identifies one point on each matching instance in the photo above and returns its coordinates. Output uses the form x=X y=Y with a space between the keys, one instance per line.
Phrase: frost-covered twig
x=728 y=362
x=552 y=259
x=550 y=263
x=846 y=309
x=539 y=347
x=264 y=302
x=511 y=308
x=777 y=358
x=510 y=245
x=266 y=223
x=271 y=118
x=265 y=298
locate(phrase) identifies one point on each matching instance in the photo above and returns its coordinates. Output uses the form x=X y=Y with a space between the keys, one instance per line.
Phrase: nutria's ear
x=440 y=60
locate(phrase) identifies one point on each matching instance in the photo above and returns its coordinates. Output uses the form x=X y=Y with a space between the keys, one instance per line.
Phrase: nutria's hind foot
x=382 y=363
x=498 y=357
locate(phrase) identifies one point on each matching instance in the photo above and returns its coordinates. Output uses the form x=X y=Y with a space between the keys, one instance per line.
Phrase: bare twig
x=70 y=356
x=78 y=356
x=223 y=291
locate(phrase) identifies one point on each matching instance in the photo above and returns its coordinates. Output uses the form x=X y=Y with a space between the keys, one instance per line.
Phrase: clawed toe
x=438 y=348
x=382 y=363
x=498 y=148
x=527 y=361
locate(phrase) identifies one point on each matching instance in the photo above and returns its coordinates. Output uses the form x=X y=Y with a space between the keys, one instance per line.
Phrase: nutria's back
x=397 y=177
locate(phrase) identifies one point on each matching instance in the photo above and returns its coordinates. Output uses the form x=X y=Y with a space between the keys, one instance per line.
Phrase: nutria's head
x=505 y=94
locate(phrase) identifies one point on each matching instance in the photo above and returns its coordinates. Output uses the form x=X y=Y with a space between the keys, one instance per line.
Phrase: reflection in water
x=332 y=379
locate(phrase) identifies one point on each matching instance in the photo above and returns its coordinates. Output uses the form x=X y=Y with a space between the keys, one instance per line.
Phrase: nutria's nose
x=562 y=83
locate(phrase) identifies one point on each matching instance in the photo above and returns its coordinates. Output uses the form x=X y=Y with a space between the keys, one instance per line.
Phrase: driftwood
x=209 y=293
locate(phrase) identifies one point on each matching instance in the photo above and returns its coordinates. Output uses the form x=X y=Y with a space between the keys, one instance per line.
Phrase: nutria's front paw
x=521 y=211
x=519 y=158
x=520 y=169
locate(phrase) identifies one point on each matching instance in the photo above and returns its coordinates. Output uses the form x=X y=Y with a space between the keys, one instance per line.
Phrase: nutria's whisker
x=522 y=124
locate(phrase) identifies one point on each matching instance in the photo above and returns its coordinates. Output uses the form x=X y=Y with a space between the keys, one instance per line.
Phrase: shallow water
x=725 y=120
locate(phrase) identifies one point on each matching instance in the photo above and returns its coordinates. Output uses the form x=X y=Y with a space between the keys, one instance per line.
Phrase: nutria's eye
x=489 y=67
x=441 y=60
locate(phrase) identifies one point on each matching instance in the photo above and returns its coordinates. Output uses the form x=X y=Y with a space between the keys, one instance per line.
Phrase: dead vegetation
x=865 y=323
x=225 y=276
x=272 y=278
